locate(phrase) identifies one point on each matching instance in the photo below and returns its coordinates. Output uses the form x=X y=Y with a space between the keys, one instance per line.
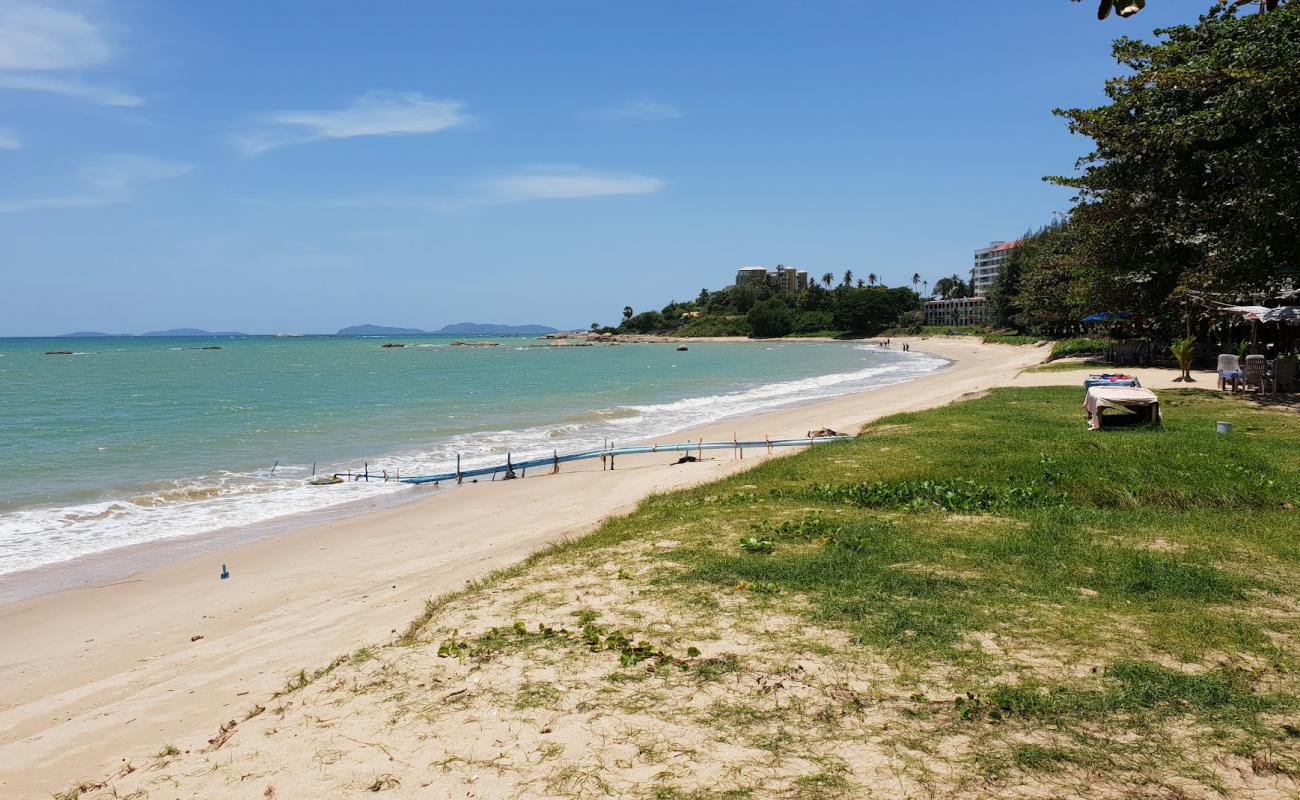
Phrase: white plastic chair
x=1229 y=370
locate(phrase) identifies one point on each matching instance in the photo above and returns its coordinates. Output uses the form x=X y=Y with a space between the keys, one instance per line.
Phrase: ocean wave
x=166 y=509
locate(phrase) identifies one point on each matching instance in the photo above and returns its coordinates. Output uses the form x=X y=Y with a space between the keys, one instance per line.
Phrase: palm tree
x=627 y=312
x=916 y=279
x=871 y=278
x=828 y=279
x=848 y=277
x=926 y=285
x=859 y=283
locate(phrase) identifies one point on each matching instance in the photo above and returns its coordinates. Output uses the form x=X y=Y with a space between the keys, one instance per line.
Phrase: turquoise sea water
x=136 y=439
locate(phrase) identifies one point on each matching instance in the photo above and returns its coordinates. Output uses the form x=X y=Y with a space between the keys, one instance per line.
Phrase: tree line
x=1191 y=192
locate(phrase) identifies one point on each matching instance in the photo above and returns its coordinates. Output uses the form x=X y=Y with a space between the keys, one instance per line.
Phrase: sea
x=136 y=439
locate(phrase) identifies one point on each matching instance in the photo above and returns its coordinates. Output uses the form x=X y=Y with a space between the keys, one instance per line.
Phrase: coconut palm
x=627 y=312
x=827 y=279
x=1182 y=350
x=916 y=279
x=925 y=288
x=848 y=277
x=872 y=278
x=860 y=283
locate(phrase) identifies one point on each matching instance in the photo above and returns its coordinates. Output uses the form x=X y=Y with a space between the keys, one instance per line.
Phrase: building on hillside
x=786 y=280
x=963 y=312
x=988 y=263
x=972 y=311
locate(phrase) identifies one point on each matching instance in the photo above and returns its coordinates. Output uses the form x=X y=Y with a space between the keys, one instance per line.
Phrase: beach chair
x=1284 y=374
x=1256 y=373
x=1229 y=370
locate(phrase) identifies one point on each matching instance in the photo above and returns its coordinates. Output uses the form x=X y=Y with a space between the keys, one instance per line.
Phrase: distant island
x=459 y=329
x=490 y=329
x=379 y=330
x=91 y=335
x=192 y=332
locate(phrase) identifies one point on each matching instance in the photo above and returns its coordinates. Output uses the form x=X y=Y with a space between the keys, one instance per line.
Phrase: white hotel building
x=972 y=311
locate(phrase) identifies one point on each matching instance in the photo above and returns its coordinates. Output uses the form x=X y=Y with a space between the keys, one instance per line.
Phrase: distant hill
x=378 y=330
x=491 y=329
x=91 y=335
x=192 y=332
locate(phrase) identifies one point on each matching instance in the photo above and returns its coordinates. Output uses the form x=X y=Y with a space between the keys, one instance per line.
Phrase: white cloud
x=105 y=181
x=35 y=37
x=372 y=114
x=37 y=40
x=644 y=111
x=9 y=140
x=547 y=183
x=70 y=87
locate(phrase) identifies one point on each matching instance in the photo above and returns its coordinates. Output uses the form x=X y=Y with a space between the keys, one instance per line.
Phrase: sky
x=303 y=166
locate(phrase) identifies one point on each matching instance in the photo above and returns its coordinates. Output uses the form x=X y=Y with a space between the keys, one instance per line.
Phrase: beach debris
x=225 y=573
x=392 y=344
x=58 y=352
x=686 y=460
x=223 y=735
x=196 y=637
x=823 y=433
x=323 y=480
x=681 y=348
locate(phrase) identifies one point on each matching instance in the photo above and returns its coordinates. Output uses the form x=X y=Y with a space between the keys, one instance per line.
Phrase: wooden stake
x=273 y=466
x=458 y=469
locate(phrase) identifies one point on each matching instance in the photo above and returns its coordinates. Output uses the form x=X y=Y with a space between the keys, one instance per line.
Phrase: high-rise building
x=751 y=275
x=988 y=262
x=786 y=280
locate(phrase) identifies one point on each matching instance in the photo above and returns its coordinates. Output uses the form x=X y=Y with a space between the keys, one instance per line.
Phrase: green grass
x=1133 y=549
x=1149 y=573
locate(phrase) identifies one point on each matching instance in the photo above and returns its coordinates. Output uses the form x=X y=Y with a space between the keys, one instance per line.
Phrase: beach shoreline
x=103 y=670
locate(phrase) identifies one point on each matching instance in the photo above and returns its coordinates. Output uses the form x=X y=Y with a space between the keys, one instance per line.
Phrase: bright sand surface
x=93 y=675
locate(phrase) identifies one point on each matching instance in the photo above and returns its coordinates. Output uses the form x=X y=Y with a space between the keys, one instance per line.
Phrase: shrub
x=1078 y=347
x=770 y=318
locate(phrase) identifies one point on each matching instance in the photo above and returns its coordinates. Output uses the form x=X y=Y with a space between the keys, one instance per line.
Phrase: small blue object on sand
x=225 y=573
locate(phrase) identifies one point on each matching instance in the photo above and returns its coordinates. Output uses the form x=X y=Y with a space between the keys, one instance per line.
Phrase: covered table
x=1142 y=401
x=1107 y=379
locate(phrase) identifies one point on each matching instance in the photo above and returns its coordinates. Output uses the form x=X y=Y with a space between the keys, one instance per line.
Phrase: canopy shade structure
x=1288 y=314
x=1108 y=316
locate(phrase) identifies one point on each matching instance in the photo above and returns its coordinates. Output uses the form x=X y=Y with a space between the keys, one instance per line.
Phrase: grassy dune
x=983 y=600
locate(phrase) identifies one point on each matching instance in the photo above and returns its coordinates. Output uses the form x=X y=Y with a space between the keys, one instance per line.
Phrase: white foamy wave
x=35 y=537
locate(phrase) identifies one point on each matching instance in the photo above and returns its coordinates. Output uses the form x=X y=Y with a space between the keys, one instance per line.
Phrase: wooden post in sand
x=700 y=450
x=367 y=465
x=611 y=454
x=458 y=469
x=768 y=439
x=555 y=461
x=735 y=445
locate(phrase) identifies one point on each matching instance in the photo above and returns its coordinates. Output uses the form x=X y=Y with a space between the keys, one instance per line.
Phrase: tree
x=770 y=318
x=627 y=312
x=916 y=280
x=869 y=310
x=848 y=277
x=646 y=322
x=595 y=326
x=1193 y=182
x=926 y=287
x=1127 y=8
x=871 y=278
x=827 y=279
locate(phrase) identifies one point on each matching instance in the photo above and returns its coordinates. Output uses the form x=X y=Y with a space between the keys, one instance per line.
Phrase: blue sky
x=301 y=166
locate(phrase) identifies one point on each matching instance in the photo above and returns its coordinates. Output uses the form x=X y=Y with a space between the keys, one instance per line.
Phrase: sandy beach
x=98 y=674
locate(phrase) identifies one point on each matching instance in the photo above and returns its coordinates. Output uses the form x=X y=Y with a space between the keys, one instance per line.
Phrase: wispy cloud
x=107 y=180
x=37 y=40
x=70 y=87
x=372 y=114
x=9 y=140
x=551 y=183
x=642 y=111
